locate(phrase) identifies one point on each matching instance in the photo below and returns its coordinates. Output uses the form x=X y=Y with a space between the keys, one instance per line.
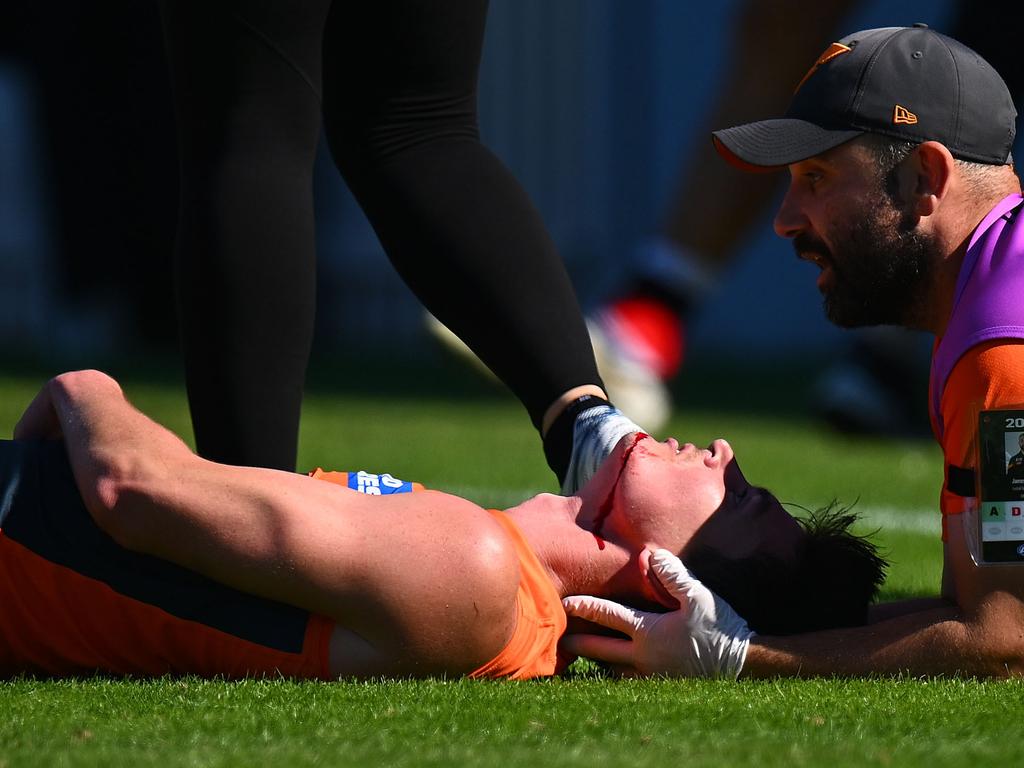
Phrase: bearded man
x=902 y=190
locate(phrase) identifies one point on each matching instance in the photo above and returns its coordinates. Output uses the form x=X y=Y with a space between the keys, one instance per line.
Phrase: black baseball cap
x=910 y=83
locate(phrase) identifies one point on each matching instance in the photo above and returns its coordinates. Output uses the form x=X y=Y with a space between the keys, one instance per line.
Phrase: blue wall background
x=592 y=103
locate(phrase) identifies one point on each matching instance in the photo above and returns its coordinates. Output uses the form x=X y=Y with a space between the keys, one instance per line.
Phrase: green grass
x=583 y=722
x=480 y=444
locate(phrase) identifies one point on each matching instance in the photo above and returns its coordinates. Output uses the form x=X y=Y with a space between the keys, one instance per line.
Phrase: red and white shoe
x=639 y=344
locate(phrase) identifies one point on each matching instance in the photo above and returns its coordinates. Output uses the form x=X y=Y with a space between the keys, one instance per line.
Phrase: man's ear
x=928 y=175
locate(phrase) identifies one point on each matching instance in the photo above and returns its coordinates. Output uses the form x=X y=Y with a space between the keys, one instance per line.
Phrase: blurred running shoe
x=632 y=383
x=638 y=343
x=638 y=336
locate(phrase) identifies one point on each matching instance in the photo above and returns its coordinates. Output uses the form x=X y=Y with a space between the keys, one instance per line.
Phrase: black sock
x=558 y=440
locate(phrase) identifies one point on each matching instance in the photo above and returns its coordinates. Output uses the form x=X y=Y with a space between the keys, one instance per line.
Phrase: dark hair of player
x=831 y=581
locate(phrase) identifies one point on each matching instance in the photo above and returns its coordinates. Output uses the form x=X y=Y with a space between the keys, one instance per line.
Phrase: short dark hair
x=888 y=153
x=830 y=583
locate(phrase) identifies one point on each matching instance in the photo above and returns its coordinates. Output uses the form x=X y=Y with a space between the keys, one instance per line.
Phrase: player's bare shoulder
x=442 y=578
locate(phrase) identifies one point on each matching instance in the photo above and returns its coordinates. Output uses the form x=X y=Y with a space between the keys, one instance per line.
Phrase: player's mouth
x=814 y=257
x=827 y=275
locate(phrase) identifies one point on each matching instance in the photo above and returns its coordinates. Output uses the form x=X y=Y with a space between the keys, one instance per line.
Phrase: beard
x=882 y=268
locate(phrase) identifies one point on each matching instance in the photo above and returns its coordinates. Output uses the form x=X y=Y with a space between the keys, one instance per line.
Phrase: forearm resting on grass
x=936 y=641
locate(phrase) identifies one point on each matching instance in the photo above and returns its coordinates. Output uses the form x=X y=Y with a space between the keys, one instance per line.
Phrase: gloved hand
x=704 y=637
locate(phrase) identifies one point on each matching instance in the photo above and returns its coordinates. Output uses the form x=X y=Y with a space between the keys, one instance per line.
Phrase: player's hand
x=704 y=637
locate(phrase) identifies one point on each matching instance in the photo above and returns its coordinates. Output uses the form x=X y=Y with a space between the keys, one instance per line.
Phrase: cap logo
x=903 y=116
x=836 y=49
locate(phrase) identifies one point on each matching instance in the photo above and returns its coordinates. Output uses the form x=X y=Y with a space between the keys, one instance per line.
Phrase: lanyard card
x=1001 y=486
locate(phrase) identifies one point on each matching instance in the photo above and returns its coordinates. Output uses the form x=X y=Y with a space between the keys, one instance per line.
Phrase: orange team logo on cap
x=836 y=49
x=903 y=116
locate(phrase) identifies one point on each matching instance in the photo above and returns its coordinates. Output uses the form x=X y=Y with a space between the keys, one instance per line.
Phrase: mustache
x=805 y=243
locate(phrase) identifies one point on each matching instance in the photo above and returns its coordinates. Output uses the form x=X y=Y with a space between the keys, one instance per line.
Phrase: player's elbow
x=997 y=629
x=75 y=384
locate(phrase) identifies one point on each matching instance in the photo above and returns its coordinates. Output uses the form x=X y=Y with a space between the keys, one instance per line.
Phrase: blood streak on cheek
x=606 y=506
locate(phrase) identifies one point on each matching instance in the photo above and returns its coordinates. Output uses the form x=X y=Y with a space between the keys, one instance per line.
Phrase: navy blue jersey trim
x=43 y=511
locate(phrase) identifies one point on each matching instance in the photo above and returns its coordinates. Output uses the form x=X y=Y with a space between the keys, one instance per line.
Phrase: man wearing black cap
x=903 y=192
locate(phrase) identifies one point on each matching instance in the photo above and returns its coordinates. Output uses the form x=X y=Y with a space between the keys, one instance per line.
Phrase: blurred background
x=595 y=105
x=601 y=108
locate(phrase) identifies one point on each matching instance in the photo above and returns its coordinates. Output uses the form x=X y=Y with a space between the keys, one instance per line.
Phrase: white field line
x=924 y=521
x=928 y=521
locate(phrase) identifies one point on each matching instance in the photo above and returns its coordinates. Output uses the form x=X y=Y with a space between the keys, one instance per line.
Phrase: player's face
x=876 y=265
x=681 y=496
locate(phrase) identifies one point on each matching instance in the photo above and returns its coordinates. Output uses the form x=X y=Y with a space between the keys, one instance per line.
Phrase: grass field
x=457 y=435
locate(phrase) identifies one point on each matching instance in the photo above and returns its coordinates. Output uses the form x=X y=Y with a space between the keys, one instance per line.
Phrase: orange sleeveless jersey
x=72 y=602
x=532 y=651
x=988 y=376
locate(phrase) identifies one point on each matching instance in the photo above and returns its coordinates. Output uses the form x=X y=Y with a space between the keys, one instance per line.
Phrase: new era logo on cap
x=903 y=116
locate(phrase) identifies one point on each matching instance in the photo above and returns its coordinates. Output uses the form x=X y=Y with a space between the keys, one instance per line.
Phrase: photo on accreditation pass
x=1001 y=481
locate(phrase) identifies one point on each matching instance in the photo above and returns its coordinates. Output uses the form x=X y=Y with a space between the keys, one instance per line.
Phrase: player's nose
x=790 y=220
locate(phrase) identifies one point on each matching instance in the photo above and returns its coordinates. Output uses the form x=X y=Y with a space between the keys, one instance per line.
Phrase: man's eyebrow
x=820 y=161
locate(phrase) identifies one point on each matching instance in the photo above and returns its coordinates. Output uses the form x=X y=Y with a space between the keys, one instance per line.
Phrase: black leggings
x=394 y=82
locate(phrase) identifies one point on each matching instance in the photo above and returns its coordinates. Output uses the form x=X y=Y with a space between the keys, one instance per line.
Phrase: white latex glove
x=705 y=637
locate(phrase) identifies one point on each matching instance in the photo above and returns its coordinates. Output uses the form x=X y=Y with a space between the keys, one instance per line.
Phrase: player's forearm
x=931 y=642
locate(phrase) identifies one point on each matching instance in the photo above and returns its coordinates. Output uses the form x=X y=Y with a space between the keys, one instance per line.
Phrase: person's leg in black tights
x=400 y=105
x=400 y=108
x=245 y=77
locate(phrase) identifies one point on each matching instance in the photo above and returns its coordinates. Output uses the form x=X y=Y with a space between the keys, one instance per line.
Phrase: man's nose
x=789 y=220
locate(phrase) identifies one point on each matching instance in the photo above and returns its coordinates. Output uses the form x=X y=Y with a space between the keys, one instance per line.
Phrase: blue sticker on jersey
x=377 y=485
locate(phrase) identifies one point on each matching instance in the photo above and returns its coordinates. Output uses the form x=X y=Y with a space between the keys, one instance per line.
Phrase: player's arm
x=990 y=598
x=706 y=638
x=422 y=577
x=939 y=641
x=980 y=630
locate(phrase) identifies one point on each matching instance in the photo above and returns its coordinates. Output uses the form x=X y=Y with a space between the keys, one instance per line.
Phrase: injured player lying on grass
x=123 y=552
